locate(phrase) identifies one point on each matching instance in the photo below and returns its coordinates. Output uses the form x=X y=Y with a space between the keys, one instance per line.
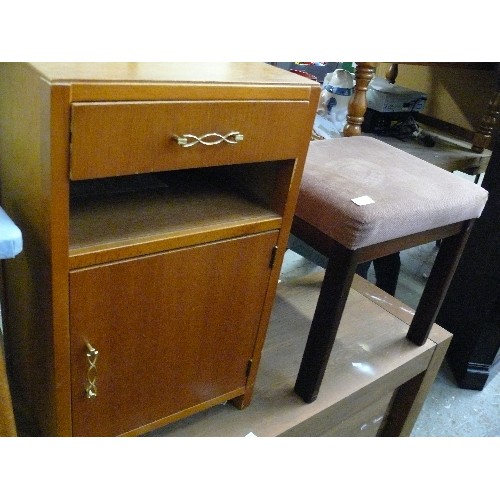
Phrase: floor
x=448 y=410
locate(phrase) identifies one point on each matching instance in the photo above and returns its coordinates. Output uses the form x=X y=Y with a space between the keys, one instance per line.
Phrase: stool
x=409 y=202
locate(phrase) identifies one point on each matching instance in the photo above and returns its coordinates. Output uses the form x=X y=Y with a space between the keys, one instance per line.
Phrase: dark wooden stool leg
x=444 y=267
x=331 y=302
x=387 y=272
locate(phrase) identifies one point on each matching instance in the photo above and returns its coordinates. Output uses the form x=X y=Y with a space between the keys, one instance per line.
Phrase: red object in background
x=304 y=73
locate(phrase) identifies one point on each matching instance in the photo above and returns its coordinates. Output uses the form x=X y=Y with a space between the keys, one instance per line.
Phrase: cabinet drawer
x=111 y=139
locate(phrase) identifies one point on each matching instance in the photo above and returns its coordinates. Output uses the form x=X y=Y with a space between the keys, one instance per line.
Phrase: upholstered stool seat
x=361 y=199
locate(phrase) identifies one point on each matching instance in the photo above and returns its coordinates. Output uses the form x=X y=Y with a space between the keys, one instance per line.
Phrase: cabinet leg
x=241 y=402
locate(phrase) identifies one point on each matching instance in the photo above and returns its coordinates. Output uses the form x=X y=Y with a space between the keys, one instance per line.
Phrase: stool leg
x=442 y=272
x=331 y=302
x=387 y=272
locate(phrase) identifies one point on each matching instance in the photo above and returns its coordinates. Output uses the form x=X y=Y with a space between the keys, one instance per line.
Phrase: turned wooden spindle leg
x=357 y=105
x=483 y=136
x=392 y=73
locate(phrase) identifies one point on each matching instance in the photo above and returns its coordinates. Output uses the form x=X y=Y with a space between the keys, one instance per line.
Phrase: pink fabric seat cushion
x=410 y=195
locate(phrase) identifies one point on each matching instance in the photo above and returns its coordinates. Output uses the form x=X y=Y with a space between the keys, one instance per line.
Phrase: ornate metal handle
x=91 y=388
x=215 y=138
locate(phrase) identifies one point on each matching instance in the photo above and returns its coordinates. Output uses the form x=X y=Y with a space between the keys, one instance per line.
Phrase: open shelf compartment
x=128 y=216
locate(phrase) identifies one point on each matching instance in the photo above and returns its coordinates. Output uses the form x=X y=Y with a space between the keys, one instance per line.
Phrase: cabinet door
x=172 y=331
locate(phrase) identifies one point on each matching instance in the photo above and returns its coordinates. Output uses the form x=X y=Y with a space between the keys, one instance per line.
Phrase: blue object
x=11 y=239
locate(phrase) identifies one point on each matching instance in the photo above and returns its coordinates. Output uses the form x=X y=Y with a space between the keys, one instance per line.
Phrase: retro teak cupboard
x=155 y=201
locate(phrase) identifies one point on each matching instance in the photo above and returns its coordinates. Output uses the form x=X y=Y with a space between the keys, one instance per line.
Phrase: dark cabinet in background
x=471 y=310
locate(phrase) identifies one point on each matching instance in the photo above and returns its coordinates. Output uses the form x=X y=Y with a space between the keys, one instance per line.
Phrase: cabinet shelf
x=160 y=216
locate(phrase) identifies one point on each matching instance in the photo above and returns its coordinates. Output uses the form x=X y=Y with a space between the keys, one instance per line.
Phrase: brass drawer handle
x=230 y=138
x=91 y=388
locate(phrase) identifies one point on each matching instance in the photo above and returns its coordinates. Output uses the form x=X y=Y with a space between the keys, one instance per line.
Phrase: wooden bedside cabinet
x=155 y=201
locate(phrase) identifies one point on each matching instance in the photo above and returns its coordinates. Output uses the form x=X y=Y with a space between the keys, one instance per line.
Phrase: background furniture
x=7 y=419
x=482 y=136
x=357 y=105
x=11 y=244
x=156 y=202
x=450 y=152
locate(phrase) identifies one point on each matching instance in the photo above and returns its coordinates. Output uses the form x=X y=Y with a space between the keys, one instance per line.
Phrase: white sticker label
x=363 y=200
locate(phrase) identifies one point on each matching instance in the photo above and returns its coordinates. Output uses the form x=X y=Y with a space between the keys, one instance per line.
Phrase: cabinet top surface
x=164 y=72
